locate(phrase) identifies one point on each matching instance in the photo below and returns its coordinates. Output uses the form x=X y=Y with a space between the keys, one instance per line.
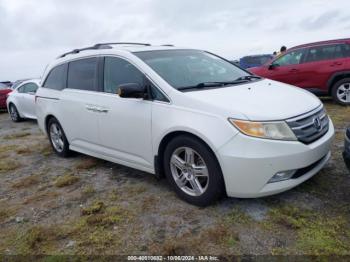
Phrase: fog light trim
x=282 y=176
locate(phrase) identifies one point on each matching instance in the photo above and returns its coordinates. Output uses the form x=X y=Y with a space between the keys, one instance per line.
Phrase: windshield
x=188 y=68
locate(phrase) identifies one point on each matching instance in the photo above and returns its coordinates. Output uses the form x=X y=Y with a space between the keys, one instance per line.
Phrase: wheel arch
x=158 y=159
x=47 y=119
x=335 y=78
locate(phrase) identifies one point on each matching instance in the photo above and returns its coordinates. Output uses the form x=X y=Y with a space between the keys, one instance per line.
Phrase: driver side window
x=117 y=72
x=291 y=58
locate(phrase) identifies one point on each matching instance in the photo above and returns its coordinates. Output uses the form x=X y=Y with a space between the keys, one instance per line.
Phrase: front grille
x=307 y=128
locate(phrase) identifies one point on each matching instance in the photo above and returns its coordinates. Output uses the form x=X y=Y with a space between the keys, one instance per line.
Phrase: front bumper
x=249 y=163
x=346 y=153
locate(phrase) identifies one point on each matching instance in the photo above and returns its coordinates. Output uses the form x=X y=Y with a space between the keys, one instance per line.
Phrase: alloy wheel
x=56 y=137
x=343 y=93
x=13 y=113
x=189 y=171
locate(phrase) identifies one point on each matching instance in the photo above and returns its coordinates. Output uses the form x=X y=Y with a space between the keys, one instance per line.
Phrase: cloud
x=36 y=31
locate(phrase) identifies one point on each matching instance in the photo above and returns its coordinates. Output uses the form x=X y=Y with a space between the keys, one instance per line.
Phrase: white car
x=209 y=126
x=21 y=101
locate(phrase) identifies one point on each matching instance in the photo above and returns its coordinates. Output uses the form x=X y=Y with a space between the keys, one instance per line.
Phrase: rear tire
x=193 y=171
x=58 y=138
x=341 y=91
x=15 y=117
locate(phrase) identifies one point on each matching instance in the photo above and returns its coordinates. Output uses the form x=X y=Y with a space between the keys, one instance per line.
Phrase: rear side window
x=57 y=78
x=320 y=53
x=117 y=72
x=82 y=74
x=346 y=50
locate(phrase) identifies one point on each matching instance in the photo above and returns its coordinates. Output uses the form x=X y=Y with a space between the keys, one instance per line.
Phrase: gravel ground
x=82 y=205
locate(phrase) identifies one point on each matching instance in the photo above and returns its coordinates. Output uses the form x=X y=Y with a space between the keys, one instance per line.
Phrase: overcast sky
x=33 y=32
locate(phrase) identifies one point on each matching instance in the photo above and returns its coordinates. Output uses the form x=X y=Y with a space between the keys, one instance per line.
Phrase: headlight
x=271 y=130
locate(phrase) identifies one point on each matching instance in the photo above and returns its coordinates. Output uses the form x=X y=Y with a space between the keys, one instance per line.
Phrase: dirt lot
x=82 y=205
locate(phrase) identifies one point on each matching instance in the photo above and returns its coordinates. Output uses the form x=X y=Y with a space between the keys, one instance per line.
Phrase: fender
x=335 y=75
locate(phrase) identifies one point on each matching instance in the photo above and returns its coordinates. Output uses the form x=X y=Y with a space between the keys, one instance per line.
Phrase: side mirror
x=272 y=66
x=131 y=90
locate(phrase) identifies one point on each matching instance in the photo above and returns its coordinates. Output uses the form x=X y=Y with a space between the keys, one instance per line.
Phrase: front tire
x=193 y=171
x=58 y=138
x=15 y=117
x=341 y=91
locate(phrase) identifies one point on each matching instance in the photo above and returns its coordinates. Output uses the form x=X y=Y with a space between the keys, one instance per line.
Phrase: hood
x=264 y=100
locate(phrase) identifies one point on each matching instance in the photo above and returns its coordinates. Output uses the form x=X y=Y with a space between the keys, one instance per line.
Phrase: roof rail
x=121 y=43
x=100 y=46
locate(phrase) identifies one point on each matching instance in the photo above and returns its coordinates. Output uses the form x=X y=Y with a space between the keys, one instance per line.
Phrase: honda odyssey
x=210 y=127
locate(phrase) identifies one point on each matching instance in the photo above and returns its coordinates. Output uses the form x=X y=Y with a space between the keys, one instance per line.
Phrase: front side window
x=327 y=52
x=118 y=71
x=57 y=78
x=82 y=74
x=291 y=58
x=186 y=68
x=30 y=88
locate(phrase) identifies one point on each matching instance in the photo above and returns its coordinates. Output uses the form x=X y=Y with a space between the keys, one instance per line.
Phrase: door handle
x=293 y=70
x=96 y=109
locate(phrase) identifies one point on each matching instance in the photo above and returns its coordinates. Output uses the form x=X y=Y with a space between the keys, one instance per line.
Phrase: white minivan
x=209 y=126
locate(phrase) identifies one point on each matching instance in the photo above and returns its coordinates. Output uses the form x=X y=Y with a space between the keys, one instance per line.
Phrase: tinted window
x=21 y=89
x=256 y=60
x=82 y=74
x=327 y=52
x=291 y=58
x=346 y=50
x=30 y=88
x=185 y=68
x=117 y=72
x=57 y=78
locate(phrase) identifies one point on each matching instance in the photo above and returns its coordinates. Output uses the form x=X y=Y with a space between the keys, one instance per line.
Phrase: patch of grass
x=290 y=217
x=66 y=180
x=26 y=182
x=7 y=148
x=87 y=163
x=40 y=197
x=96 y=207
x=17 y=135
x=237 y=216
x=5 y=213
x=316 y=234
x=8 y=165
x=39 y=240
x=23 y=150
x=88 y=191
x=324 y=236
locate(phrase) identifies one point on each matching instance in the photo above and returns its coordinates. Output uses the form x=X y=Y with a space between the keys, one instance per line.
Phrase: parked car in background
x=210 y=126
x=346 y=153
x=4 y=91
x=322 y=68
x=21 y=102
x=8 y=83
x=254 y=60
x=18 y=82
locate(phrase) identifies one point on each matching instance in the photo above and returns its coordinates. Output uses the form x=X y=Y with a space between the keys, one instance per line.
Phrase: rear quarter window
x=57 y=78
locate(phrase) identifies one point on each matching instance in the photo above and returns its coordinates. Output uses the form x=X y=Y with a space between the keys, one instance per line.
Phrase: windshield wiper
x=248 y=78
x=213 y=84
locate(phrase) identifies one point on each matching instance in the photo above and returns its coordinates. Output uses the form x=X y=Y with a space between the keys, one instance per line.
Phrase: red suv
x=322 y=68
